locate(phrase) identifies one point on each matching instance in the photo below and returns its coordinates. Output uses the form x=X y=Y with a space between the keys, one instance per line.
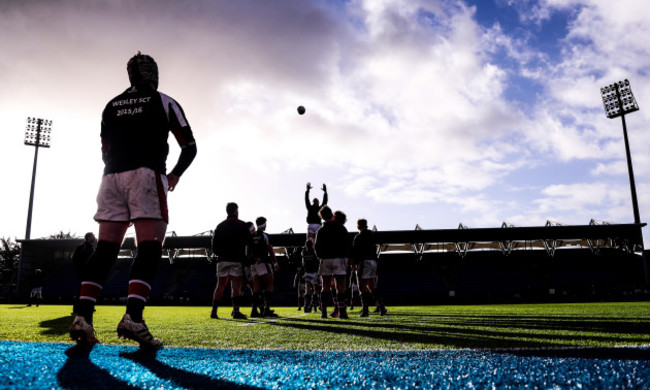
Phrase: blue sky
x=429 y=113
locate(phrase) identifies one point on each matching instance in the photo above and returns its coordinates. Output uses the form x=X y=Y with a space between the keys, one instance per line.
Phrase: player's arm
x=104 y=149
x=102 y=134
x=269 y=249
x=324 y=195
x=274 y=260
x=355 y=258
x=188 y=152
x=182 y=132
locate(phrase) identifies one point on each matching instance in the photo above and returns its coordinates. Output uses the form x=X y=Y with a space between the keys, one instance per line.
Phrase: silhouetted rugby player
x=314 y=220
x=229 y=242
x=332 y=249
x=364 y=259
x=134 y=132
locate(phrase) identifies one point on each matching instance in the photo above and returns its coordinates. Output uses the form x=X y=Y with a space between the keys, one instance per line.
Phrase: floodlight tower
x=619 y=100
x=37 y=134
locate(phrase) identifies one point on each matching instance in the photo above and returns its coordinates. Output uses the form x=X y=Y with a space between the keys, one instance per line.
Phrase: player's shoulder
x=166 y=99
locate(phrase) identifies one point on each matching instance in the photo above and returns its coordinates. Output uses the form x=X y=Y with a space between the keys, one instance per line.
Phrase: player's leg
x=150 y=234
x=236 y=285
x=309 y=294
x=366 y=297
x=377 y=296
x=258 y=305
x=341 y=295
x=94 y=274
x=301 y=294
x=222 y=283
x=325 y=294
x=340 y=271
x=267 y=293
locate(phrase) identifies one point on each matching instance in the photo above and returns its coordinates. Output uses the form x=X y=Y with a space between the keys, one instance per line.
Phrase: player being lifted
x=134 y=131
x=314 y=220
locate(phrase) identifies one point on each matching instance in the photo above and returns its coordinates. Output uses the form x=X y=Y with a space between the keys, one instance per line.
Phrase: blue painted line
x=60 y=366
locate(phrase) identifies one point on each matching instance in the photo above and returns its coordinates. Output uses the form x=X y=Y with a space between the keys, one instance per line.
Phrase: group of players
x=328 y=262
x=246 y=260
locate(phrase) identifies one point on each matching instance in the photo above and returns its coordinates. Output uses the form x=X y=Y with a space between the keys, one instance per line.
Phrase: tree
x=9 y=254
x=62 y=236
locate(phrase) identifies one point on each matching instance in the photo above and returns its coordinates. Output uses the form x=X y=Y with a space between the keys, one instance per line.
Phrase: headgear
x=142 y=69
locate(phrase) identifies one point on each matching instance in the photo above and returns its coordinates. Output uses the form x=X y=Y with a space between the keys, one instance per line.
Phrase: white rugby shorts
x=137 y=194
x=230 y=268
x=337 y=267
x=312 y=229
x=36 y=293
x=261 y=269
x=312 y=278
x=368 y=269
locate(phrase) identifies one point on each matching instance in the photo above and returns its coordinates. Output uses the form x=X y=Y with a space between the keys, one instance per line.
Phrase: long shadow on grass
x=416 y=335
x=182 y=378
x=561 y=323
x=461 y=332
x=57 y=326
x=79 y=372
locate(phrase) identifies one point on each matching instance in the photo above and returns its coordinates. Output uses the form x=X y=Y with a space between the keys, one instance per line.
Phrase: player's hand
x=276 y=266
x=308 y=186
x=324 y=187
x=172 y=181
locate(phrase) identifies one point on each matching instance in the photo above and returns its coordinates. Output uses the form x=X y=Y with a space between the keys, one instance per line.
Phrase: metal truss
x=508 y=238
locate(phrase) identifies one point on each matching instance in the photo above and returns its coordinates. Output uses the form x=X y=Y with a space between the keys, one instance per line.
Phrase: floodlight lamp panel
x=618 y=99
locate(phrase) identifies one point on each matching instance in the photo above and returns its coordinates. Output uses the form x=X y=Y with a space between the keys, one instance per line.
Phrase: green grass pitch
x=404 y=328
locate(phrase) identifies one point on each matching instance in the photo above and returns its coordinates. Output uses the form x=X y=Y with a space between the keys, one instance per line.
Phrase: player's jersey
x=332 y=241
x=260 y=246
x=230 y=240
x=310 y=261
x=364 y=246
x=312 y=211
x=135 y=128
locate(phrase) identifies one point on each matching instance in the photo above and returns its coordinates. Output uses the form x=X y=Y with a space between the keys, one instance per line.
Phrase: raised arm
x=307 y=204
x=324 y=195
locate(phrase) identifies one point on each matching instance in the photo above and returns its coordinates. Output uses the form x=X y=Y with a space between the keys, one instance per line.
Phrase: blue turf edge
x=47 y=365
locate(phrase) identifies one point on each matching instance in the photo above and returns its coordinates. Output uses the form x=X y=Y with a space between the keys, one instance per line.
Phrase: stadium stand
x=487 y=265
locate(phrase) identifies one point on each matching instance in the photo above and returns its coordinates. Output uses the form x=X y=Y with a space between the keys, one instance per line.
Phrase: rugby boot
x=255 y=313
x=138 y=332
x=364 y=312
x=268 y=313
x=237 y=315
x=82 y=332
x=213 y=313
x=343 y=313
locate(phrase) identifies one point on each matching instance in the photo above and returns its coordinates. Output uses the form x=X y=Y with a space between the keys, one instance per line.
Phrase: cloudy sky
x=419 y=112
